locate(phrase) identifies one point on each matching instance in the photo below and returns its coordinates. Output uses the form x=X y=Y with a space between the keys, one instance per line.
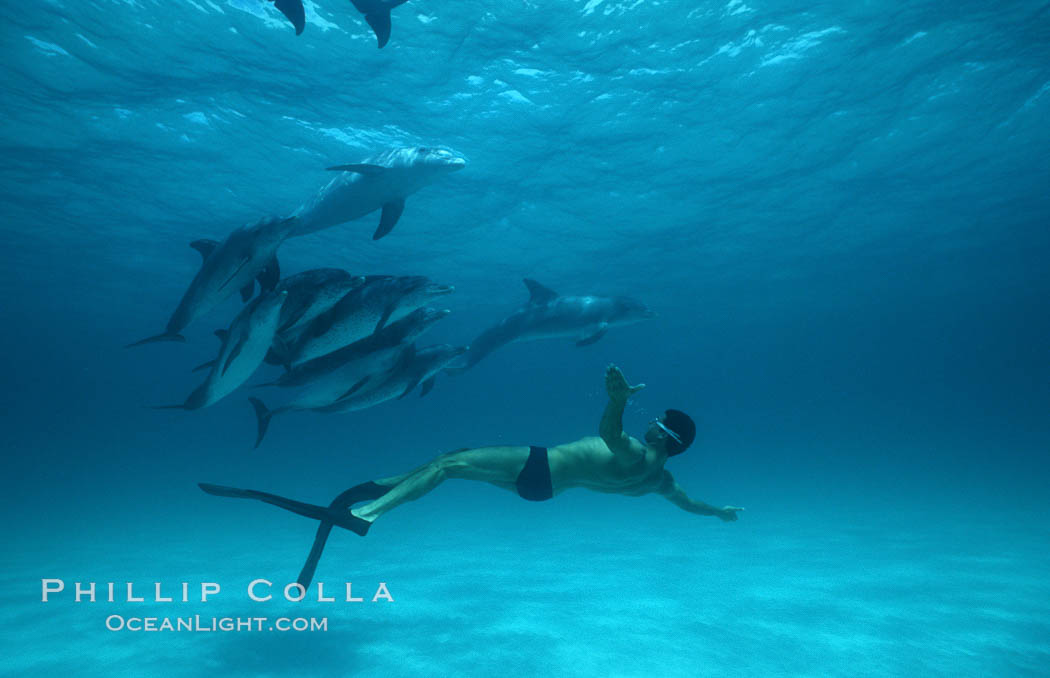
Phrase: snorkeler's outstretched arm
x=611 y=427
x=674 y=493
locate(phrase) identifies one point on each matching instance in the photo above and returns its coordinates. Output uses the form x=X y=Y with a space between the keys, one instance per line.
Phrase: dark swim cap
x=683 y=426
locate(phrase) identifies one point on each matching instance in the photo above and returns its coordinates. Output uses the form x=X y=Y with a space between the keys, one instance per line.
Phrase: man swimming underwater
x=613 y=462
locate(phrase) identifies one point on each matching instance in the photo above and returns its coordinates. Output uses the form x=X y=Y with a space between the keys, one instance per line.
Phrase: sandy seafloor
x=822 y=594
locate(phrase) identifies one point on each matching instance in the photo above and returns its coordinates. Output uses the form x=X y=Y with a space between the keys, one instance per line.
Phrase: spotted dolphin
x=336 y=376
x=381 y=182
x=243 y=347
x=414 y=368
x=585 y=319
x=363 y=311
x=310 y=294
x=228 y=266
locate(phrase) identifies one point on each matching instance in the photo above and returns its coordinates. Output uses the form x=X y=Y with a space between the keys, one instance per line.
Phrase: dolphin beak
x=456 y=164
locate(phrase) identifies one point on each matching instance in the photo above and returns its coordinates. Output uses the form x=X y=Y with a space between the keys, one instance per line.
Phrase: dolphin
x=338 y=375
x=228 y=266
x=310 y=294
x=584 y=319
x=405 y=330
x=380 y=182
x=376 y=13
x=414 y=368
x=365 y=310
x=243 y=348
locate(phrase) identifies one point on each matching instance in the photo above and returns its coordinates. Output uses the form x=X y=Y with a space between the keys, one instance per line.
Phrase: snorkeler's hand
x=728 y=513
x=616 y=385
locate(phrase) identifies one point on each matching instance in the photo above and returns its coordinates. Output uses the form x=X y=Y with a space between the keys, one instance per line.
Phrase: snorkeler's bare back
x=590 y=463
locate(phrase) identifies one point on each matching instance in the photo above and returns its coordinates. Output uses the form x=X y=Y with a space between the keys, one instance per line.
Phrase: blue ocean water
x=839 y=212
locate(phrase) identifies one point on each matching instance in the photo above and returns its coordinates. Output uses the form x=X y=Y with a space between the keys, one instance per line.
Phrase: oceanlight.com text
x=197 y=623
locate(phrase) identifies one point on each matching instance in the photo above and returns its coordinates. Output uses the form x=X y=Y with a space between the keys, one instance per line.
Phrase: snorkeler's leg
x=496 y=465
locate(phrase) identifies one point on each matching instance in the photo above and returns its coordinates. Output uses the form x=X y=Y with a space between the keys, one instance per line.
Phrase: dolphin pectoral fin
x=233 y=275
x=539 y=294
x=263 y=415
x=411 y=387
x=222 y=334
x=204 y=366
x=321 y=323
x=269 y=276
x=380 y=23
x=278 y=353
x=427 y=386
x=391 y=213
x=598 y=334
x=167 y=336
x=234 y=353
x=385 y=317
x=355 y=388
x=360 y=168
x=205 y=247
x=248 y=290
x=293 y=9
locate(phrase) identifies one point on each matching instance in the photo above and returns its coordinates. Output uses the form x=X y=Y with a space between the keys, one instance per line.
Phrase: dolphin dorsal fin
x=204 y=246
x=538 y=294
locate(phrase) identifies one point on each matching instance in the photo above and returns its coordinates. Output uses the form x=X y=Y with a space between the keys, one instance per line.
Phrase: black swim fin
x=341 y=504
x=336 y=513
x=343 y=519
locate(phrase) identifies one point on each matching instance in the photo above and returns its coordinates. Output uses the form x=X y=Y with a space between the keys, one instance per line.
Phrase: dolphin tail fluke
x=293 y=9
x=167 y=336
x=263 y=415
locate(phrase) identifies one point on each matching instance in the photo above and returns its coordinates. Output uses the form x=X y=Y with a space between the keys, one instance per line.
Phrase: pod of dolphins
x=347 y=342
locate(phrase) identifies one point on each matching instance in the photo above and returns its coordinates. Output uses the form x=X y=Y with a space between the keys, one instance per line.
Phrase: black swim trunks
x=534 y=481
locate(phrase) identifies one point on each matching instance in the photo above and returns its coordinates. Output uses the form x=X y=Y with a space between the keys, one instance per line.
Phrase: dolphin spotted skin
x=381 y=182
x=229 y=266
x=310 y=294
x=376 y=13
x=584 y=319
x=337 y=376
x=365 y=310
x=414 y=368
x=333 y=365
x=243 y=347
